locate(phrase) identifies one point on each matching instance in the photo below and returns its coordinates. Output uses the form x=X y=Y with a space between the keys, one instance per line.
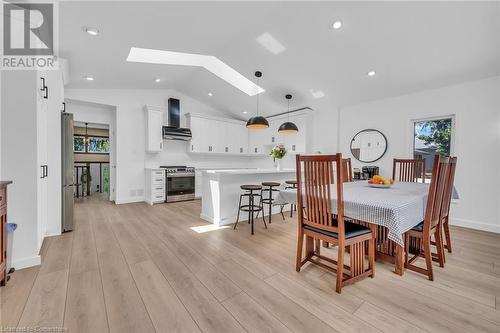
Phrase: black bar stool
x=291 y=184
x=251 y=207
x=270 y=188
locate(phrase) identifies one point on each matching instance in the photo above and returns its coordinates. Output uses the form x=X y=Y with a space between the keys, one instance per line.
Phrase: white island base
x=221 y=192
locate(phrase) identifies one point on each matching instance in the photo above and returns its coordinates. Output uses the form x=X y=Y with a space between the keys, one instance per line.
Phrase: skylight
x=210 y=63
x=270 y=43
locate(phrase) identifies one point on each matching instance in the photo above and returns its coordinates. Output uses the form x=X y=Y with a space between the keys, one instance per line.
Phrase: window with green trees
x=432 y=136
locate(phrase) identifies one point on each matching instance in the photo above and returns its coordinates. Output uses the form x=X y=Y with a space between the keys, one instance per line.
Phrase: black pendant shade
x=288 y=127
x=257 y=122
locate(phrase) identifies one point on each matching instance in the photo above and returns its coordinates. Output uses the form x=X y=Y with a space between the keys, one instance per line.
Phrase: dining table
x=395 y=210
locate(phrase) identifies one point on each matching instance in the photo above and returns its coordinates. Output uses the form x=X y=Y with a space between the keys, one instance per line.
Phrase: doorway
x=91 y=146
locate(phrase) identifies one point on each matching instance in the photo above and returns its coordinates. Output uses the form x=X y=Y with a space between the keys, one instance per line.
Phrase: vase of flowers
x=277 y=153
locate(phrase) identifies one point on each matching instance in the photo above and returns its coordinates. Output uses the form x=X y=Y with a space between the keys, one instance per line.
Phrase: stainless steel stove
x=180 y=183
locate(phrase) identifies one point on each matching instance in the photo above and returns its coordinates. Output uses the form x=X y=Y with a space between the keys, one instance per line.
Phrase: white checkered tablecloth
x=399 y=208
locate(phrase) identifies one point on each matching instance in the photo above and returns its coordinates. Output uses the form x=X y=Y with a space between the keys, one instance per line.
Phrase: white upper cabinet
x=199 y=142
x=211 y=135
x=154 y=129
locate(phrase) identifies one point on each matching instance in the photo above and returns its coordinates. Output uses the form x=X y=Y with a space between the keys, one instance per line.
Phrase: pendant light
x=257 y=121
x=288 y=126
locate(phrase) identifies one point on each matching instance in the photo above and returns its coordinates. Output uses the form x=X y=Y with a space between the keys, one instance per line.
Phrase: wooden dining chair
x=445 y=209
x=319 y=177
x=432 y=222
x=347 y=170
x=408 y=170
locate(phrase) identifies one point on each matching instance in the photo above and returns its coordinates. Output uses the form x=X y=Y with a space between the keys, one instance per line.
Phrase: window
x=432 y=136
x=79 y=144
x=98 y=145
x=95 y=145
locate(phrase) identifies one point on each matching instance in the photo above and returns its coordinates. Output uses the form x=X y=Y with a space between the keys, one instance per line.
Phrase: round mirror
x=369 y=145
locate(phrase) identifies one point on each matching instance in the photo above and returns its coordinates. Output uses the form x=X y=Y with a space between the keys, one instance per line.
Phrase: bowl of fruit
x=380 y=182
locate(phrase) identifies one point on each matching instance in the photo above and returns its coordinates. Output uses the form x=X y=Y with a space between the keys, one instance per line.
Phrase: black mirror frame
x=367 y=130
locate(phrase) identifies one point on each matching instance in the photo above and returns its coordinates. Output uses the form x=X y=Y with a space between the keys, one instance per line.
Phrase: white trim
x=217 y=222
x=477 y=225
x=129 y=200
x=26 y=262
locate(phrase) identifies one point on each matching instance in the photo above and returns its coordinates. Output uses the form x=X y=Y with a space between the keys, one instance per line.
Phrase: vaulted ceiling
x=412 y=46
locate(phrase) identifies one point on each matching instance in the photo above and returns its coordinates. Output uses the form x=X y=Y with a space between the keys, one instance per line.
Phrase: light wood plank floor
x=137 y=268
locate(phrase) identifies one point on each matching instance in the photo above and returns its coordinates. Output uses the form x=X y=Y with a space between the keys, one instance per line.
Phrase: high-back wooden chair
x=347 y=170
x=432 y=221
x=445 y=209
x=408 y=170
x=319 y=191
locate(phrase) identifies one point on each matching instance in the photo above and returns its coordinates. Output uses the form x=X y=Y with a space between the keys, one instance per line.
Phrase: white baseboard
x=26 y=262
x=129 y=200
x=218 y=222
x=475 y=225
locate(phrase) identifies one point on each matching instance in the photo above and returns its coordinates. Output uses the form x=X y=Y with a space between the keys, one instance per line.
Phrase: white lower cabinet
x=155 y=186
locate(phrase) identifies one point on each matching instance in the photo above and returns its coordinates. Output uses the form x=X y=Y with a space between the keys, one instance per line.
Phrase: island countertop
x=221 y=190
x=247 y=171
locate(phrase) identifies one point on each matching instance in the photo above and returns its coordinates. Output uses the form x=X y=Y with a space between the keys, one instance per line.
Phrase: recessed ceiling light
x=371 y=73
x=157 y=80
x=270 y=43
x=210 y=63
x=245 y=112
x=337 y=25
x=317 y=93
x=91 y=31
x=89 y=78
x=210 y=94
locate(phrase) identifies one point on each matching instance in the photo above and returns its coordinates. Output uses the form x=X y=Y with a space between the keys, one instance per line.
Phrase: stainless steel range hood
x=173 y=131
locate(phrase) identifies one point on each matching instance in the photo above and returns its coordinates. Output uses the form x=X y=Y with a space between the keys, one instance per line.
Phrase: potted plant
x=277 y=153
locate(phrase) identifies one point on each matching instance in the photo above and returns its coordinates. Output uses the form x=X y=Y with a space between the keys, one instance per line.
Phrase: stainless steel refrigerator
x=67 y=171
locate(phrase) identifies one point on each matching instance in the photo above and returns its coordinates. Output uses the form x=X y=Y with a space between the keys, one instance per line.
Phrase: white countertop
x=248 y=171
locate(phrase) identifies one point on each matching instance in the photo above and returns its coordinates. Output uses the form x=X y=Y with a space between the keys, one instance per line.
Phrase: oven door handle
x=176 y=175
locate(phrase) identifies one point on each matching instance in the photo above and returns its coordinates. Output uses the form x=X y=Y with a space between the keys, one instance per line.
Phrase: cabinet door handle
x=241 y=150
x=272 y=139
x=46 y=96
x=43 y=84
x=192 y=147
x=64 y=107
x=161 y=145
x=256 y=149
x=293 y=147
x=43 y=171
x=227 y=149
x=46 y=170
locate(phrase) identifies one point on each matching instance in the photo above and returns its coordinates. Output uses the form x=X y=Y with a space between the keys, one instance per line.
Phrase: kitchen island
x=221 y=192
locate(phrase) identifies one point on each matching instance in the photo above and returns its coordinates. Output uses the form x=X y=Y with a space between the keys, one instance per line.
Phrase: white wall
x=130 y=136
x=476 y=106
x=19 y=161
